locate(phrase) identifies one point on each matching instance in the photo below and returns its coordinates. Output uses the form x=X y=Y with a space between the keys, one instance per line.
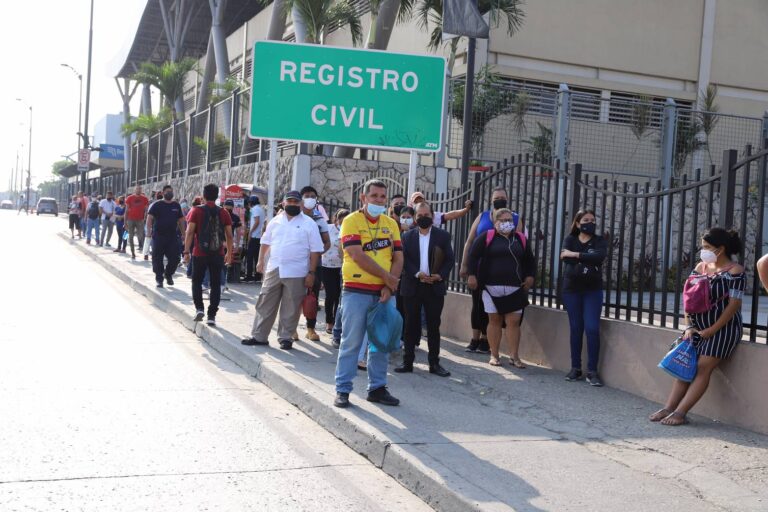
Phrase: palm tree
x=317 y=16
x=147 y=125
x=169 y=78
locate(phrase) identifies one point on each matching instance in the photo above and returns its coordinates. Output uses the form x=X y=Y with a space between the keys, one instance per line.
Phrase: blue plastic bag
x=681 y=361
x=384 y=326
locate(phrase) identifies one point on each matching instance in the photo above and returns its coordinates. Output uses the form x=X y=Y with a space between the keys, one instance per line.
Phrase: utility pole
x=86 y=139
x=469 y=92
x=29 y=158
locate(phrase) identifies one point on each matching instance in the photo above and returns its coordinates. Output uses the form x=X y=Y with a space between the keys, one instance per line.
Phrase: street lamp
x=80 y=105
x=29 y=159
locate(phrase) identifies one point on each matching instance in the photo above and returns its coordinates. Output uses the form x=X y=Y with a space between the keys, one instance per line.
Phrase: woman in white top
x=331 y=270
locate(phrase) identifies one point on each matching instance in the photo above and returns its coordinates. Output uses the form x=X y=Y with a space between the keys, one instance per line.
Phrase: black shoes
x=169 y=280
x=472 y=347
x=574 y=374
x=483 y=347
x=159 y=283
x=438 y=370
x=253 y=341
x=382 y=396
x=594 y=379
x=286 y=344
x=199 y=315
x=342 y=400
x=404 y=368
x=211 y=322
x=336 y=343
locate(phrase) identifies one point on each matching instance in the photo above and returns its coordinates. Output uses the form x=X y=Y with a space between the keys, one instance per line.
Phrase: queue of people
x=395 y=253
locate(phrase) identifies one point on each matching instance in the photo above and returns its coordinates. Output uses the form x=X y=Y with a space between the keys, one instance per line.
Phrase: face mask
x=708 y=256
x=406 y=221
x=184 y=205
x=310 y=203
x=122 y=202
x=168 y=196
x=499 y=203
x=505 y=227
x=398 y=209
x=375 y=210
x=588 y=228
x=424 y=222
x=292 y=210
x=109 y=199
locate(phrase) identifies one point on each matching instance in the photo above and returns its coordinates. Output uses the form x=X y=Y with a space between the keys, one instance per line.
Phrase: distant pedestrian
x=164 y=222
x=257 y=218
x=75 y=209
x=715 y=333
x=442 y=217
x=309 y=208
x=210 y=230
x=583 y=254
x=373 y=261
x=429 y=259
x=84 y=202
x=136 y=205
x=93 y=212
x=289 y=257
x=405 y=220
x=184 y=207
x=120 y=224
x=107 y=207
x=502 y=266
x=331 y=270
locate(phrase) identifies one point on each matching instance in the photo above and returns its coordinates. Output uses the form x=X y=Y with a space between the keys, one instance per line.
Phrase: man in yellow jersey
x=373 y=261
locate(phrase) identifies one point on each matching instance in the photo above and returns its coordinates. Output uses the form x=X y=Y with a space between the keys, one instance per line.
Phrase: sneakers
x=312 y=334
x=169 y=280
x=472 y=347
x=286 y=344
x=199 y=316
x=593 y=379
x=336 y=343
x=483 y=347
x=574 y=374
x=253 y=341
x=342 y=400
x=211 y=322
x=382 y=396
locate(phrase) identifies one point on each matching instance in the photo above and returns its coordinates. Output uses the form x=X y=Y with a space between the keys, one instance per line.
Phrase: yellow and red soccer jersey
x=379 y=238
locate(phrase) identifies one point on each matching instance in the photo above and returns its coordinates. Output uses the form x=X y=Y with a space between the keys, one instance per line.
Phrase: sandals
x=495 y=361
x=517 y=363
x=675 y=419
x=659 y=415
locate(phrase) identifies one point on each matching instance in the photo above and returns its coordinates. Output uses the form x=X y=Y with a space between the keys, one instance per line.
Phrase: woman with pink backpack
x=712 y=302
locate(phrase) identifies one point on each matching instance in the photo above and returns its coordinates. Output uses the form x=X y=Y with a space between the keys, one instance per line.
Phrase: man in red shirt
x=83 y=209
x=136 y=208
x=208 y=224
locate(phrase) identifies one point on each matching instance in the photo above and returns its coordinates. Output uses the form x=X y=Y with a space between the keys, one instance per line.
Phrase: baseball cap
x=253 y=200
x=229 y=202
x=293 y=194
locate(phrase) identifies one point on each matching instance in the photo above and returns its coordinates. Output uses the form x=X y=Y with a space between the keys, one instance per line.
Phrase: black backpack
x=93 y=210
x=210 y=237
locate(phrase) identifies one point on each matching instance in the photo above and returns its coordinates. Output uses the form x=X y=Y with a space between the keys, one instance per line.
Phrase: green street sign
x=331 y=95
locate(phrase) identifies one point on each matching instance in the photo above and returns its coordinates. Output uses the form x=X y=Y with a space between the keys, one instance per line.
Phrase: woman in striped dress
x=718 y=330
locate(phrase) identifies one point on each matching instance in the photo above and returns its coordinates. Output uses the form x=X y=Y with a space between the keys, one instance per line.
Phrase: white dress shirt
x=107 y=208
x=291 y=241
x=424 y=252
x=257 y=212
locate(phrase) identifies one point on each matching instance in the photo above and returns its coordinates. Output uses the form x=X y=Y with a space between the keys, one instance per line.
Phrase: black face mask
x=292 y=210
x=424 y=222
x=588 y=228
x=168 y=196
x=499 y=203
x=398 y=208
x=109 y=199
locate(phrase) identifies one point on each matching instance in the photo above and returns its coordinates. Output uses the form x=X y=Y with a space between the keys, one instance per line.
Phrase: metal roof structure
x=151 y=42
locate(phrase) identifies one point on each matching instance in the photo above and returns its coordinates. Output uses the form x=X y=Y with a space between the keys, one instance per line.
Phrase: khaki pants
x=285 y=294
x=135 y=227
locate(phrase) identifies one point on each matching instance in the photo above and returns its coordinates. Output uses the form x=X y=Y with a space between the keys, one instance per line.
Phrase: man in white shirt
x=107 y=210
x=292 y=246
x=256 y=228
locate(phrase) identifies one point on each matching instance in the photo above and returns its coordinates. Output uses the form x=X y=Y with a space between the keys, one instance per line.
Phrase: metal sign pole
x=414 y=160
x=272 y=178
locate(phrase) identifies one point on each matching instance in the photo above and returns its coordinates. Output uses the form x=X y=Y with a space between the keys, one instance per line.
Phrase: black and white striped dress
x=723 y=286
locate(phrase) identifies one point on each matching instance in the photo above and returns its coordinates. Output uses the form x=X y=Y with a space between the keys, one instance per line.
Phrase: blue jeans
x=584 y=316
x=337 y=323
x=92 y=224
x=354 y=312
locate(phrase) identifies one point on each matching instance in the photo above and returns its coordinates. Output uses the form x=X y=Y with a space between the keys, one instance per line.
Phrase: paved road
x=107 y=405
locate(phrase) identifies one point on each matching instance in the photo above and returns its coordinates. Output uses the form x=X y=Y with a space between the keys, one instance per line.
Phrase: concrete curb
x=391 y=456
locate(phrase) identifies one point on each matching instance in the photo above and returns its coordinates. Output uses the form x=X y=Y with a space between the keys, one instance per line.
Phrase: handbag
x=516 y=301
x=588 y=274
x=309 y=305
x=681 y=361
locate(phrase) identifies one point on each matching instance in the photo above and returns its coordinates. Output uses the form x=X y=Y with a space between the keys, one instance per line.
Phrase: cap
x=254 y=200
x=229 y=202
x=293 y=194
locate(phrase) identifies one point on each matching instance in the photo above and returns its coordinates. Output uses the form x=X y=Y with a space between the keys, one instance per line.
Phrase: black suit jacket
x=411 y=255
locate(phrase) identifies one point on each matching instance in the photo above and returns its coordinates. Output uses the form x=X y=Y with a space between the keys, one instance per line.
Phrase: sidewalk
x=490 y=438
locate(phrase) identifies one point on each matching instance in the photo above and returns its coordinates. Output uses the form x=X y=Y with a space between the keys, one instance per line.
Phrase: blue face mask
x=375 y=210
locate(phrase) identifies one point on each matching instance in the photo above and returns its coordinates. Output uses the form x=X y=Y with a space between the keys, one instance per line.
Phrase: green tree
x=147 y=125
x=169 y=78
x=318 y=16
x=57 y=166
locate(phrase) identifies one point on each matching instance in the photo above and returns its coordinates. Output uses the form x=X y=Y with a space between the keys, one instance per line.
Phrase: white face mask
x=310 y=203
x=406 y=221
x=708 y=256
x=505 y=227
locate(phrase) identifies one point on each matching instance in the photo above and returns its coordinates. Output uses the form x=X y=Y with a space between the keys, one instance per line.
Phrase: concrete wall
x=628 y=358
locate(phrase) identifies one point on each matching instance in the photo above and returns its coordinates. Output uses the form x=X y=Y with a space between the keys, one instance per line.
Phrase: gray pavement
x=494 y=438
x=109 y=405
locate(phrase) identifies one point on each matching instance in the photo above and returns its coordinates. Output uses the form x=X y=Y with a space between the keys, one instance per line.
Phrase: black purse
x=588 y=274
x=516 y=301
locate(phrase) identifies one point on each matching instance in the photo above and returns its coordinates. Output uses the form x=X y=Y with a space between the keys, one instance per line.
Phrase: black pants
x=312 y=322
x=213 y=264
x=121 y=243
x=165 y=247
x=252 y=257
x=332 y=283
x=478 y=316
x=433 y=308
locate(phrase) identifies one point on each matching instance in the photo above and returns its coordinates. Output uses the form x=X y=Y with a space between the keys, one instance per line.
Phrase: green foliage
x=147 y=125
x=57 y=166
x=169 y=78
x=320 y=15
x=223 y=91
x=708 y=117
x=541 y=145
x=642 y=110
x=220 y=146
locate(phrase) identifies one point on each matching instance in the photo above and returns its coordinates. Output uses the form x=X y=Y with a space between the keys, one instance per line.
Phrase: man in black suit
x=428 y=259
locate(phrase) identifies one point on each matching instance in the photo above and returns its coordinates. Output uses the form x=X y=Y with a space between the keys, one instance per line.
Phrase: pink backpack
x=492 y=233
x=697 y=294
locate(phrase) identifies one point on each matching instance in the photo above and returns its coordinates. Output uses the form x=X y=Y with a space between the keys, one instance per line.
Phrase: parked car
x=6 y=204
x=47 y=205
